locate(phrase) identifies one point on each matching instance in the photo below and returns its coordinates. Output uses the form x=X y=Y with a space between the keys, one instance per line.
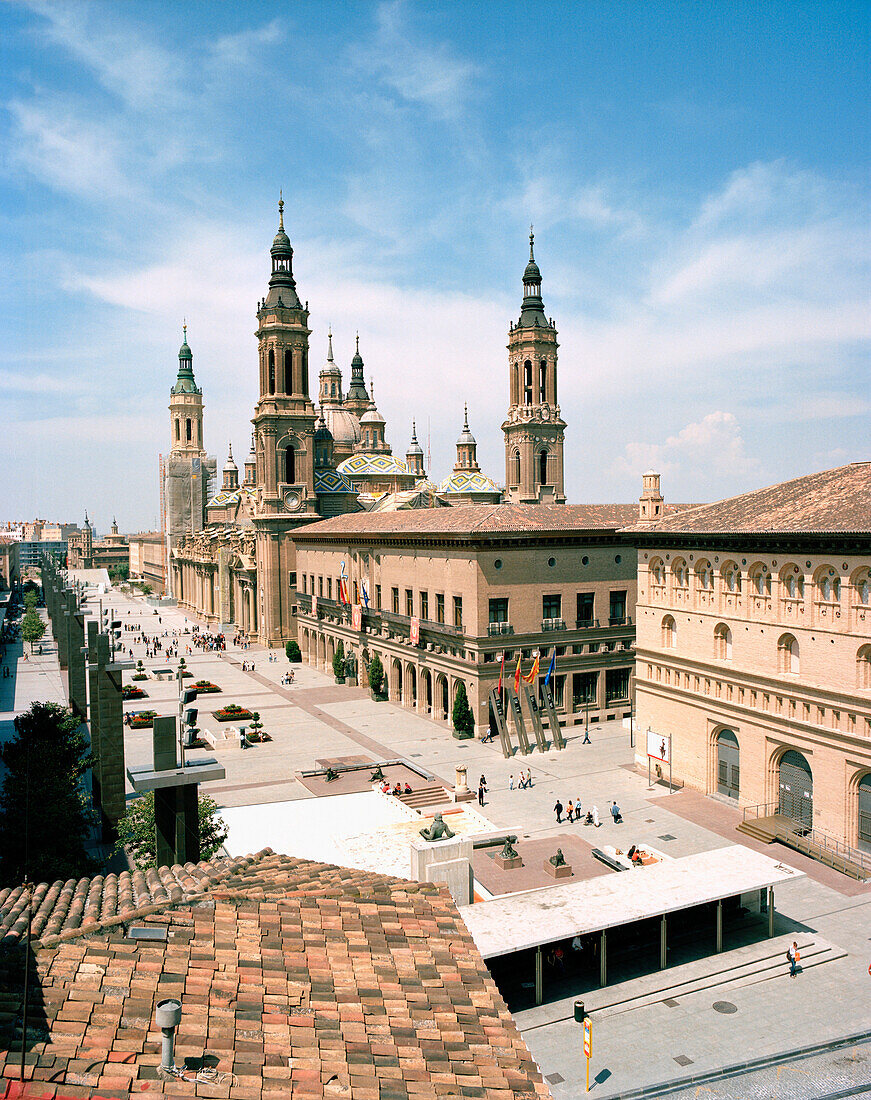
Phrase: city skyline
x=697 y=181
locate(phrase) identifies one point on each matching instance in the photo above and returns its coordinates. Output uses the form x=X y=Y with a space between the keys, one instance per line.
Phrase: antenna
x=428 y=455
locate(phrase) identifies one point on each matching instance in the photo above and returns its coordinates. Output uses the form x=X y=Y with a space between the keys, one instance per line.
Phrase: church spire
x=532 y=308
x=282 y=285
x=357 y=399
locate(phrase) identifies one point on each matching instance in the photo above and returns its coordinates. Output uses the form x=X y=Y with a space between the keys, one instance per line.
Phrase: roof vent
x=147 y=932
x=167 y=1017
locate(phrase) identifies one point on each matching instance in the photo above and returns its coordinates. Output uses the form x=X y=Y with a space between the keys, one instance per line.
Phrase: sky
x=697 y=175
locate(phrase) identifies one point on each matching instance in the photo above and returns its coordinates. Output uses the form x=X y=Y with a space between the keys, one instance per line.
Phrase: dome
x=372 y=416
x=281 y=242
x=329 y=481
x=375 y=464
x=184 y=352
x=322 y=431
x=344 y=426
x=463 y=481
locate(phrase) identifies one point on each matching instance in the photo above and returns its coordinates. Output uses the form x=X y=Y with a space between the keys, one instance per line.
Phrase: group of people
x=523 y=782
x=207 y=641
x=247 y=666
x=287 y=678
x=397 y=788
x=575 y=814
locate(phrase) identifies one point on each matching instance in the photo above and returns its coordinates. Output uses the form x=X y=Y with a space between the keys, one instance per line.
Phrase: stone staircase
x=778 y=827
x=425 y=797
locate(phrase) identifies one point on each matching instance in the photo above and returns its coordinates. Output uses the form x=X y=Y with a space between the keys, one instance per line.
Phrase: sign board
x=415 y=630
x=659 y=746
x=588 y=1037
x=357 y=617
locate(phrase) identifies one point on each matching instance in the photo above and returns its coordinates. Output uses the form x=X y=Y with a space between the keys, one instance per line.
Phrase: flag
x=501 y=674
x=343 y=587
x=365 y=593
x=517 y=677
x=531 y=676
x=550 y=668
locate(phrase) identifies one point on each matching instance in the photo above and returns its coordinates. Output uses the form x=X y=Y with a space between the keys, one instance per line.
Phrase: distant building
x=83 y=552
x=147 y=557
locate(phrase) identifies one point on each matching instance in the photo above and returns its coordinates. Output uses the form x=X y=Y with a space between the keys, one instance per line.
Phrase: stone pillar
x=76 y=677
x=461 y=786
x=107 y=728
x=444 y=861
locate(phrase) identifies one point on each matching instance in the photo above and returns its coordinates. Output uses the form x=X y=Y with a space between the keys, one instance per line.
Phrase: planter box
x=207 y=689
x=462 y=736
x=133 y=693
x=139 y=676
x=139 y=723
x=232 y=716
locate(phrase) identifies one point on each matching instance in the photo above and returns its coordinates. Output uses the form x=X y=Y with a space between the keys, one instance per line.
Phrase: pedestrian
x=558 y=810
x=793 y=957
x=578 y=809
x=586 y=740
x=482 y=788
x=595 y=813
x=570 y=811
x=511 y=782
x=615 y=813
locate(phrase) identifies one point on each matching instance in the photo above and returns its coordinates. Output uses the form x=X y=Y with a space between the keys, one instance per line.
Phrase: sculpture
x=331 y=774
x=439 y=830
x=377 y=776
x=558 y=860
x=509 y=851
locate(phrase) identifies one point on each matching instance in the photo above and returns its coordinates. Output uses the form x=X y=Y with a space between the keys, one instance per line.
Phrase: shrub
x=462 y=717
x=376 y=674
x=339 y=660
x=294 y=654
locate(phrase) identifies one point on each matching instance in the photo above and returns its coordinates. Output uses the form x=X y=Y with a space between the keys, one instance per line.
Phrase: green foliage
x=145 y=589
x=44 y=814
x=32 y=627
x=339 y=660
x=30 y=599
x=294 y=654
x=376 y=674
x=30 y=586
x=136 y=830
x=120 y=572
x=462 y=717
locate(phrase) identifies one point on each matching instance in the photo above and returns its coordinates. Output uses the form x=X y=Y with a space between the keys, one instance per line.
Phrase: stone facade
x=754 y=647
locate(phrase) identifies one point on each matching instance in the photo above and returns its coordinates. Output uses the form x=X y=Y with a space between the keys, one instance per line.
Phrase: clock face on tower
x=292 y=500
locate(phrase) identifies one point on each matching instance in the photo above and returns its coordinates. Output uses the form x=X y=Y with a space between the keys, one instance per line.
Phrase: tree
x=376 y=674
x=462 y=717
x=30 y=599
x=145 y=589
x=32 y=627
x=339 y=660
x=44 y=814
x=120 y=572
x=137 y=833
x=293 y=652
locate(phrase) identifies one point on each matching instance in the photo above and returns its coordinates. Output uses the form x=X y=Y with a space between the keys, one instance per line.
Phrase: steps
x=431 y=794
x=778 y=827
x=767 y=829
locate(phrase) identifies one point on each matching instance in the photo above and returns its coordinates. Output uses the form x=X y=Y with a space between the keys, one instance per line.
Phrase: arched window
x=271 y=361
x=515 y=464
x=178 y=430
x=828 y=585
x=760 y=580
x=731 y=576
x=722 y=642
x=863 y=668
x=657 y=572
x=669 y=632
x=515 y=389
x=527 y=383
x=680 y=573
x=188 y=431
x=289 y=465
x=542 y=380
x=542 y=467
x=333 y=389
x=704 y=574
x=787 y=654
x=288 y=372
x=861 y=584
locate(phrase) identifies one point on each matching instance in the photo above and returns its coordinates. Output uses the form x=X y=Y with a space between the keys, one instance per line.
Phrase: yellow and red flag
x=530 y=677
x=517 y=677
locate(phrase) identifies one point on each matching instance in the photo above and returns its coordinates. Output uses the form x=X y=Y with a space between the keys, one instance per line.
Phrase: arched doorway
x=728 y=773
x=411 y=687
x=426 y=689
x=864 y=836
x=441 y=704
x=396 y=682
x=796 y=788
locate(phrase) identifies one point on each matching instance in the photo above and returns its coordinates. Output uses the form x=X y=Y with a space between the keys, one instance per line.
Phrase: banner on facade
x=415 y=630
x=314 y=606
x=357 y=617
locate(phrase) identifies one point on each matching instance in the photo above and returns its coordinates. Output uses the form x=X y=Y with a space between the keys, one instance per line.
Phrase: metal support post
x=539 y=976
x=719 y=926
x=663 y=942
x=770 y=911
x=603 y=958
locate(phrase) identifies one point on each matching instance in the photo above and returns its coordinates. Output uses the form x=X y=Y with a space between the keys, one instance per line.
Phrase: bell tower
x=534 y=427
x=284 y=417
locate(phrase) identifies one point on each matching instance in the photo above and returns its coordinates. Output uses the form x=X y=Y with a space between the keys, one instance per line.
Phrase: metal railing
x=761 y=809
x=499 y=628
x=837 y=849
x=553 y=624
x=812 y=842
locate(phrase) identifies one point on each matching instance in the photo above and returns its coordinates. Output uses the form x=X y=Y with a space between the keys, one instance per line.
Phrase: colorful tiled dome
x=361 y=464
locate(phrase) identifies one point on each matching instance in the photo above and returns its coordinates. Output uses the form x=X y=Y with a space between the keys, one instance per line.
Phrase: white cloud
x=714 y=443
x=246 y=47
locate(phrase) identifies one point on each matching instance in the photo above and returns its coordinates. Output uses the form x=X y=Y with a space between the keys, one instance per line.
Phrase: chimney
x=650 y=503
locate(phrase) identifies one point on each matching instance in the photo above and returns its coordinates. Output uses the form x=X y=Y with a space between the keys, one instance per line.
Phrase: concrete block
x=565 y=871
x=508 y=864
x=447 y=861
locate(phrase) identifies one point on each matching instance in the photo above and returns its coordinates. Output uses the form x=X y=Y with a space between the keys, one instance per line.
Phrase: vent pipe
x=168 y=1017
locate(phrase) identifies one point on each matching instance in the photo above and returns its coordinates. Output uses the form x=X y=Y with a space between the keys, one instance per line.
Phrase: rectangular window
x=617 y=684
x=312 y=583
x=559 y=691
x=499 y=610
x=440 y=607
x=424 y=605
x=458 y=612
x=394 y=600
x=377 y=597
x=304 y=582
x=356 y=593
x=409 y=602
x=291 y=579
x=617 y=612
x=584 y=687
x=585 y=608
x=329 y=588
x=320 y=586
x=551 y=607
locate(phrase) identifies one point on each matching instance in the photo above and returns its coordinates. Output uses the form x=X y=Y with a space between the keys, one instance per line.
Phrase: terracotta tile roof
x=295 y=979
x=831 y=501
x=476 y=521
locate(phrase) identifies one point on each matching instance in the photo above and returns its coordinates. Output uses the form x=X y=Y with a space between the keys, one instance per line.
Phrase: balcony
x=499 y=628
x=586 y=624
x=553 y=624
x=620 y=620
x=304 y=601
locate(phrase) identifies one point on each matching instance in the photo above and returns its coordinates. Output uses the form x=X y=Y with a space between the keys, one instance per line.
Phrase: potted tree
x=339 y=663
x=294 y=655
x=376 y=677
x=462 y=717
x=140 y=673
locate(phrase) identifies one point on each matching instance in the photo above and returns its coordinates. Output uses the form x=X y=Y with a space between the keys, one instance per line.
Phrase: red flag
x=501 y=673
x=517 y=677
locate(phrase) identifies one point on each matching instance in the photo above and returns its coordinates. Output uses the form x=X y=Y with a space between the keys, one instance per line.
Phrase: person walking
x=511 y=782
x=615 y=813
x=793 y=957
x=482 y=789
x=595 y=813
x=570 y=811
x=586 y=740
x=558 y=810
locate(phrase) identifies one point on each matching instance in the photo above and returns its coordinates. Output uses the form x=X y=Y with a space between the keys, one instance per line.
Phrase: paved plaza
x=654 y=1028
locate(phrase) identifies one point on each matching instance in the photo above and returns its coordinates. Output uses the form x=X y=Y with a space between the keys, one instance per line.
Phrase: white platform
x=534 y=917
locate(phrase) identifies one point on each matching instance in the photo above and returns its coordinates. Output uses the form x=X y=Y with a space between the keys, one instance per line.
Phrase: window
x=551 y=607
x=312 y=583
x=304 y=384
x=458 y=611
x=188 y=429
x=584 y=688
x=356 y=593
x=863 y=667
x=542 y=467
x=829 y=586
x=291 y=579
x=178 y=430
x=409 y=602
x=722 y=642
x=617 y=612
x=424 y=605
x=787 y=654
x=585 y=608
x=377 y=597
x=304 y=583
x=731 y=575
x=329 y=588
x=704 y=575
x=617 y=684
x=760 y=581
x=669 y=632
x=681 y=574
x=289 y=465
x=271 y=371
x=527 y=383
x=320 y=586
x=559 y=691
x=440 y=607
x=515 y=466
x=499 y=610
x=288 y=373
x=394 y=600
x=542 y=380
x=657 y=572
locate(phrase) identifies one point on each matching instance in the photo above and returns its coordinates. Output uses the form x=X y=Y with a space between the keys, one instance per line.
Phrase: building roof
x=344 y=426
x=831 y=501
x=328 y=481
x=294 y=978
x=230 y=496
x=365 y=464
x=477 y=520
x=468 y=481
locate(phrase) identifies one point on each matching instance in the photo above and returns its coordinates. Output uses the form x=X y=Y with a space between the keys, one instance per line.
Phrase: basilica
x=230 y=550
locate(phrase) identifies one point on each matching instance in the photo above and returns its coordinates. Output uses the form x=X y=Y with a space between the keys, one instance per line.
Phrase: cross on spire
x=531 y=241
x=280 y=211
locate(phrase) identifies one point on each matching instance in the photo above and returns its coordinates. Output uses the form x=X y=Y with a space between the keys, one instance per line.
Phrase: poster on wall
x=357 y=617
x=414 y=631
x=659 y=746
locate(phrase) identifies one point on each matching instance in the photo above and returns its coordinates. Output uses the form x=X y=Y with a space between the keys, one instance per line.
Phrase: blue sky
x=697 y=175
